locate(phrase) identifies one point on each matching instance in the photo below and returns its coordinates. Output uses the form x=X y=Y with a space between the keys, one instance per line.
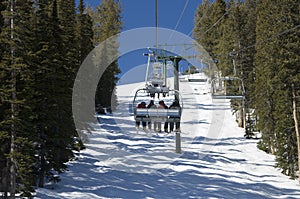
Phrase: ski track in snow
x=216 y=160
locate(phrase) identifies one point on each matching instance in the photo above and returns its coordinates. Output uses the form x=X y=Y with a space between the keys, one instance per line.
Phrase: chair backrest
x=153 y=112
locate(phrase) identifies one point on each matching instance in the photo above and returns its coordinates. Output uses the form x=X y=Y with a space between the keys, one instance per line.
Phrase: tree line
x=265 y=35
x=43 y=43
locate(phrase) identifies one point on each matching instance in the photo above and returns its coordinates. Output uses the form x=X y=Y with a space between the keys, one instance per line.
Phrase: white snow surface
x=216 y=160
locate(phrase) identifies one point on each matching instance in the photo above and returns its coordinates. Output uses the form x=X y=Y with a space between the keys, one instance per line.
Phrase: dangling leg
x=171 y=126
x=158 y=126
x=137 y=126
x=155 y=126
x=166 y=127
x=144 y=126
x=149 y=125
x=178 y=127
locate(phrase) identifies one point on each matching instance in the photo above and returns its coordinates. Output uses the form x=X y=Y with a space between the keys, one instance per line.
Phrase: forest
x=265 y=38
x=44 y=42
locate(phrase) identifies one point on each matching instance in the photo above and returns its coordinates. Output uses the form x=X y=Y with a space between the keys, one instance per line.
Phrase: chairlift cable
x=269 y=38
x=179 y=19
x=156 y=25
x=216 y=23
x=250 y=46
x=181 y=15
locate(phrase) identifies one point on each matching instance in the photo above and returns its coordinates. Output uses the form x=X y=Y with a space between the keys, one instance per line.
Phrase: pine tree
x=217 y=14
x=2 y=8
x=286 y=148
x=68 y=68
x=248 y=50
x=228 y=40
x=265 y=72
x=239 y=34
x=84 y=38
x=18 y=156
x=53 y=79
x=277 y=70
x=63 y=131
x=246 y=54
x=265 y=35
x=84 y=32
x=38 y=62
x=287 y=18
x=41 y=101
x=107 y=22
x=4 y=106
x=208 y=30
x=202 y=24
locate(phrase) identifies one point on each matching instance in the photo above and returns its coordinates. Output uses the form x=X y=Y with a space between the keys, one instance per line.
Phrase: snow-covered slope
x=216 y=161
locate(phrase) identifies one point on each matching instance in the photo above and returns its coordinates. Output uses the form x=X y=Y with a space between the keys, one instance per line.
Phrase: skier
x=151 y=105
x=162 y=105
x=137 y=123
x=175 y=105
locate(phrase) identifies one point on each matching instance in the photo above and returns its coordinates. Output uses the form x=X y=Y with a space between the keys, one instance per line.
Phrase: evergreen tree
x=277 y=70
x=41 y=102
x=84 y=32
x=17 y=149
x=239 y=34
x=2 y=8
x=53 y=80
x=107 y=22
x=223 y=30
x=84 y=38
x=248 y=50
x=64 y=65
x=265 y=35
x=217 y=14
x=202 y=24
x=39 y=60
x=228 y=40
x=265 y=73
x=4 y=105
x=208 y=29
x=287 y=17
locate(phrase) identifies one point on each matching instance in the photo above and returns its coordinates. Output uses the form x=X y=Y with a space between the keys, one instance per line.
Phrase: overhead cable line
x=269 y=38
x=216 y=23
x=156 y=24
x=181 y=15
x=251 y=46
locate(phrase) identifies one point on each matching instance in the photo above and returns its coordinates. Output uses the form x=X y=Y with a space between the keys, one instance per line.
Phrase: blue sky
x=172 y=14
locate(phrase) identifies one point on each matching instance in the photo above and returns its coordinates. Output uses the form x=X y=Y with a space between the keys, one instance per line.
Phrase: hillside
x=216 y=160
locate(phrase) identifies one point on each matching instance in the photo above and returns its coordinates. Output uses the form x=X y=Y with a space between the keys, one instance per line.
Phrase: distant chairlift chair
x=156 y=76
x=228 y=87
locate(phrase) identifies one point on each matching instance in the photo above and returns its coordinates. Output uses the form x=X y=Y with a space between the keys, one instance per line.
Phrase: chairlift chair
x=156 y=75
x=197 y=77
x=154 y=114
x=227 y=88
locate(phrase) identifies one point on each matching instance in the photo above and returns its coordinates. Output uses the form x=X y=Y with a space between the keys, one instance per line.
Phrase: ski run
x=216 y=160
